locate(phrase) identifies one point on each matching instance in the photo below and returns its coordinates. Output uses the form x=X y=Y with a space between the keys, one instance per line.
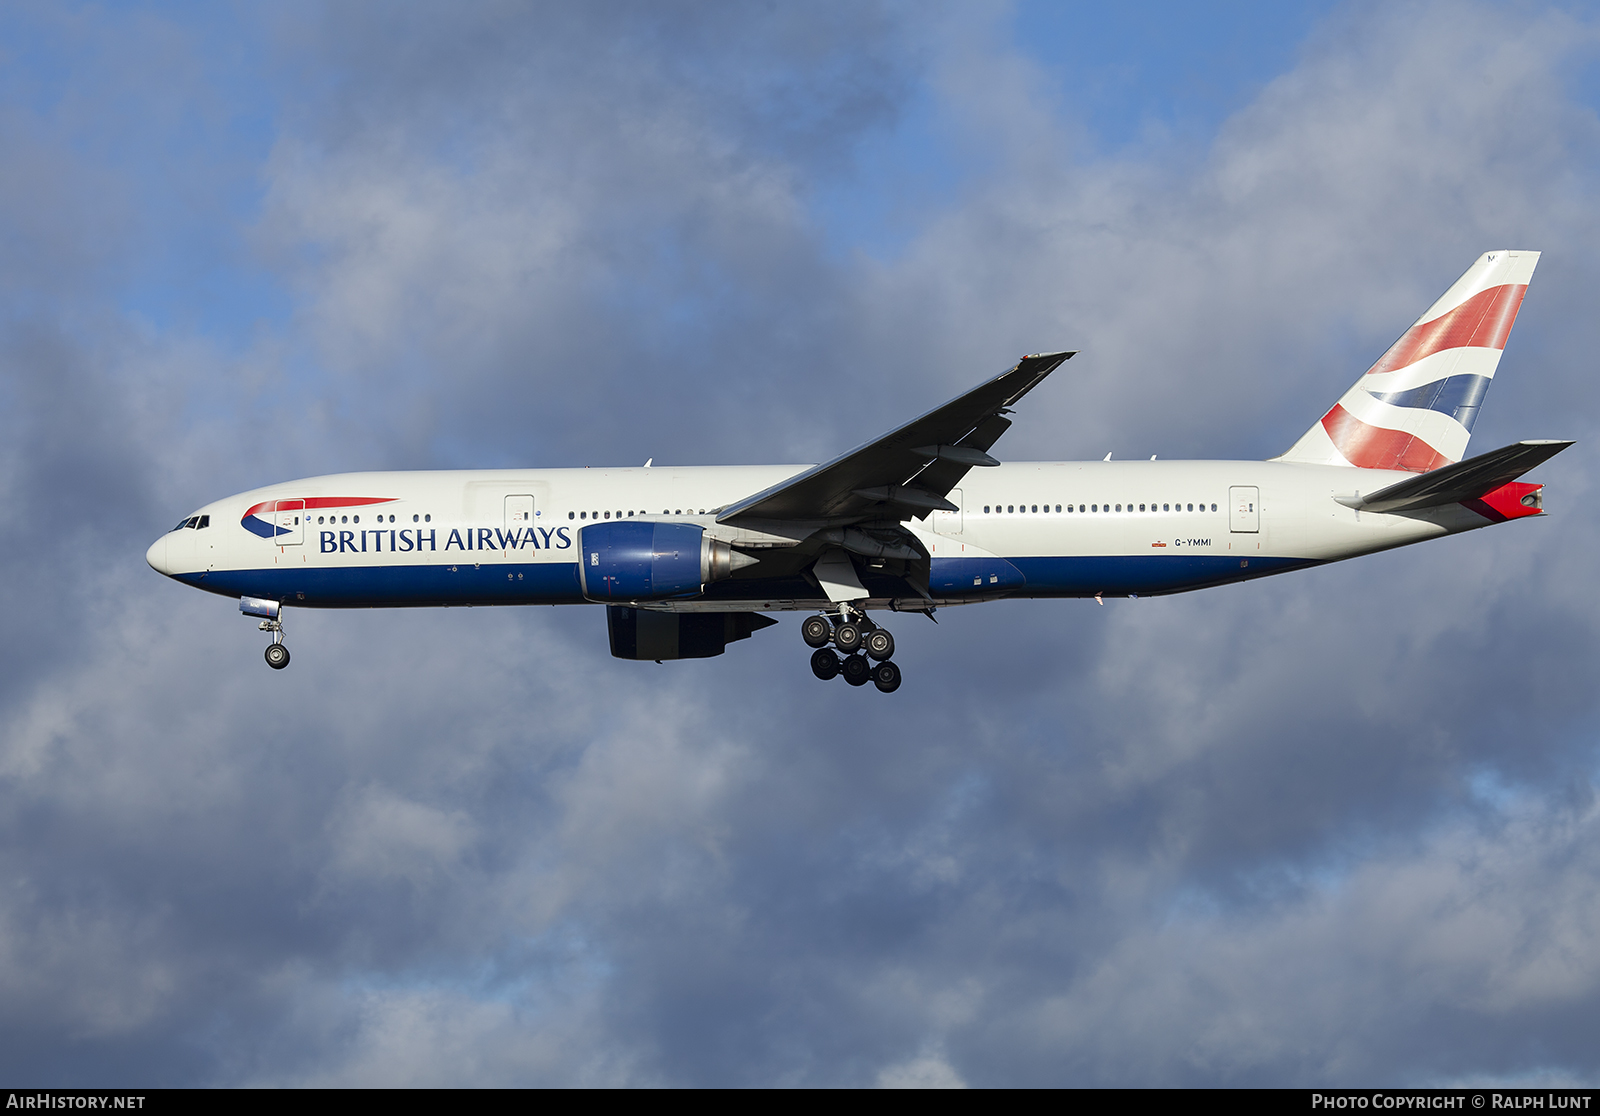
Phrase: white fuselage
x=512 y=536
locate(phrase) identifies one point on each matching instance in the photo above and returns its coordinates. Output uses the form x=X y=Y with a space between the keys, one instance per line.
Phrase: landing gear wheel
x=825 y=664
x=856 y=671
x=879 y=644
x=847 y=637
x=277 y=656
x=816 y=631
x=886 y=676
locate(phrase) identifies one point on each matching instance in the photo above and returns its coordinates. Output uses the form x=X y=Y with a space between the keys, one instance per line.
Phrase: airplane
x=688 y=560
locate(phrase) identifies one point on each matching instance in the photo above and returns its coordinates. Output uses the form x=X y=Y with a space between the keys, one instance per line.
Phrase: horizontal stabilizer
x=1465 y=480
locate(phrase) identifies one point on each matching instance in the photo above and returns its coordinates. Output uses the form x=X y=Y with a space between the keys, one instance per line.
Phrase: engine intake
x=646 y=561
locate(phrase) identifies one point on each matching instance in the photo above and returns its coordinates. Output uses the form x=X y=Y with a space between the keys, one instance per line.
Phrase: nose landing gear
x=277 y=654
x=852 y=634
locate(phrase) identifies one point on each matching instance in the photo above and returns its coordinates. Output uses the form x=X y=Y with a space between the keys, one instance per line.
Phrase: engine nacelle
x=647 y=561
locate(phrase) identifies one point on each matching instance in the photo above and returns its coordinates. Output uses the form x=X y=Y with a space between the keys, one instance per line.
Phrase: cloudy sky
x=1333 y=828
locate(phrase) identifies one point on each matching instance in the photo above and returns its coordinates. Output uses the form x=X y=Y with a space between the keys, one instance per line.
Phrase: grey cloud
x=1329 y=826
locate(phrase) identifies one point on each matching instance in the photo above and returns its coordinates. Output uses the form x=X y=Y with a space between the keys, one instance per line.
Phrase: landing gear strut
x=852 y=633
x=277 y=654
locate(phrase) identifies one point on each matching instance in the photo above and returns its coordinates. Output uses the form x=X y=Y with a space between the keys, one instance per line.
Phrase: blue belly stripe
x=400 y=586
x=1146 y=575
x=557 y=582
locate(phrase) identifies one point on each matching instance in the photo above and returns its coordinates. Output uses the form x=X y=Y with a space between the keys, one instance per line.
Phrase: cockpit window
x=205 y=521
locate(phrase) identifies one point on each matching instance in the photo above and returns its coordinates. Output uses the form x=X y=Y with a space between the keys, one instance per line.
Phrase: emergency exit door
x=289 y=519
x=519 y=512
x=948 y=522
x=1244 y=510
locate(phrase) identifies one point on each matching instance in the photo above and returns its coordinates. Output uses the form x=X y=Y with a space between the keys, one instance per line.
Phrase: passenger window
x=986 y=509
x=1036 y=507
x=319 y=519
x=1119 y=507
x=1166 y=507
x=355 y=519
x=1191 y=507
x=1069 y=509
x=344 y=519
x=1058 y=509
x=413 y=519
x=427 y=519
x=1213 y=507
x=572 y=515
x=1080 y=507
x=1094 y=507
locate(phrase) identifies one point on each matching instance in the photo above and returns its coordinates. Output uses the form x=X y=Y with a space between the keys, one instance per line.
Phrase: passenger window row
x=357 y=519
x=631 y=514
x=1023 y=509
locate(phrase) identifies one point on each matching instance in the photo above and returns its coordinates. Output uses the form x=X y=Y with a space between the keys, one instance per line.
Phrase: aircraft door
x=948 y=523
x=289 y=520
x=1244 y=510
x=519 y=512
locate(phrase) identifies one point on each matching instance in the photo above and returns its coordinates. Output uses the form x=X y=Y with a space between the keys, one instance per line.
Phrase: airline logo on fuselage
x=261 y=519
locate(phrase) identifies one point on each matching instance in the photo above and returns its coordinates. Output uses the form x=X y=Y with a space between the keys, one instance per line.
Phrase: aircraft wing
x=909 y=470
x=1465 y=480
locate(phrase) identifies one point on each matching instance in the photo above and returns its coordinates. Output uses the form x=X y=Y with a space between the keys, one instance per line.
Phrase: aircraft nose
x=157 y=556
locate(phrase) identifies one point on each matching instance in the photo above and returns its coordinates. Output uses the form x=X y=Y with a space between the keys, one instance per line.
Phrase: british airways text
x=473 y=538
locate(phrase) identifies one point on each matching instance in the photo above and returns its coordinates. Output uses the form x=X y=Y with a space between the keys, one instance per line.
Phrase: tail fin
x=1414 y=409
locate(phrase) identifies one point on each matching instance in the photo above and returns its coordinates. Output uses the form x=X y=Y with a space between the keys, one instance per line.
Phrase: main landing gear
x=853 y=634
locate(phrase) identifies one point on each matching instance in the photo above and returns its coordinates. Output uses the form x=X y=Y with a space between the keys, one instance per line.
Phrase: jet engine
x=642 y=560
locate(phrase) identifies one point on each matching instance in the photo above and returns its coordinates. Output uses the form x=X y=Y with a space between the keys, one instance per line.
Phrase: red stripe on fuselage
x=1483 y=321
x=1378 y=447
x=322 y=502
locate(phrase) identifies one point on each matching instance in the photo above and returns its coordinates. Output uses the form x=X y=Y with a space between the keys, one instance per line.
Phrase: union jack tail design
x=1414 y=409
